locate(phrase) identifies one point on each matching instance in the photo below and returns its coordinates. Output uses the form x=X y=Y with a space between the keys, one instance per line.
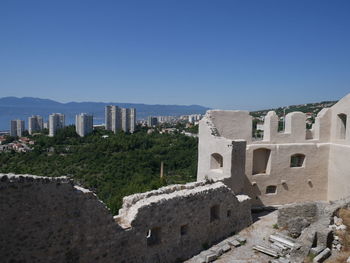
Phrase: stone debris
x=286 y=242
x=226 y=248
x=317 y=250
x=337 y=224
x=323 y=255
x=337 y=221
x=217 y=250
x=336 y=243
x=208 y=256
x=284 y=260
x=280 y=260
x=241 y=239
x=340 y=227
x=267 y=251
x=280 y=247
x=233 y=242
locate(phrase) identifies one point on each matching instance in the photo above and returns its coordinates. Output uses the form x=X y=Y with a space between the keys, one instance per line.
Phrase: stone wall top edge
x=186 y=192
x=130 y=210
x=132 y=199
x=28 y=177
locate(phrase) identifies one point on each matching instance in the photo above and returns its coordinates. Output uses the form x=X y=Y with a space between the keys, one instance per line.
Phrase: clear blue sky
x=220 y=53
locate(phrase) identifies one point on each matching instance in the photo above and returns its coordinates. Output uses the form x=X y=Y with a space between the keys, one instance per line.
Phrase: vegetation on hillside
x=314 y=108
x=116 y=166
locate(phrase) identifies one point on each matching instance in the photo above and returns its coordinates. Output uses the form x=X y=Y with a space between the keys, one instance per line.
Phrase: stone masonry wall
x=51 y=220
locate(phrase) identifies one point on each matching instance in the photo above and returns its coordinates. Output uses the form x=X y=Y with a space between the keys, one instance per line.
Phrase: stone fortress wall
x=46 y=219
x=295 y=165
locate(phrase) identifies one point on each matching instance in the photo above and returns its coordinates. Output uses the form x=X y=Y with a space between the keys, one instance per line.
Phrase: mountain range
x=21 y=108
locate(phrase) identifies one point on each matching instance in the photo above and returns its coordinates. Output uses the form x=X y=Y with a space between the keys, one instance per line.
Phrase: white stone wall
x=294 y=184
x=339 y=165
x=323 y=176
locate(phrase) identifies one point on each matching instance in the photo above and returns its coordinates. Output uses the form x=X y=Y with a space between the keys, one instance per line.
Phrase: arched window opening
x=216 y=161
x=261 y=161
x=297 y=160
x=342 y=126
x=271 y=189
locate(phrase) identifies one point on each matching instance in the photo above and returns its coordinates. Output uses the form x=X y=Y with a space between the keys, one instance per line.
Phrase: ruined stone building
x=46 y=219
x=284 y=167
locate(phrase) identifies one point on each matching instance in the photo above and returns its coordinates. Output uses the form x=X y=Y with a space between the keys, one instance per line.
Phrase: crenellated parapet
x=293 y=164
x=233 y=125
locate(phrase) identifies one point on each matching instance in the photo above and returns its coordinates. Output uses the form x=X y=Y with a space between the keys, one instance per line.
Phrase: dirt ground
x=256 y=234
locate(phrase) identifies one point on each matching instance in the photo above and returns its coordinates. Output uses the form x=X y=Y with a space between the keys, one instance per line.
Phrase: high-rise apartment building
x=35 y=124
x=56 y=122
x=113 y=118
x=17 y=128
x=132 y=122
x=83 y=124
x=152 y=121
x=108 y=117
x=125 y=119
x=120 y=119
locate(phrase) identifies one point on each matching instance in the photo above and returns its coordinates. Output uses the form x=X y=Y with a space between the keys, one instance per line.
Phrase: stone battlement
x=294 y=165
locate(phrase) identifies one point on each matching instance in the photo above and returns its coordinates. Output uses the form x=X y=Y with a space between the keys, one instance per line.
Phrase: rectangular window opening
x=342 y=118
x=153 y=236
x=184 y=230
x=271 y=189
x=214 y=213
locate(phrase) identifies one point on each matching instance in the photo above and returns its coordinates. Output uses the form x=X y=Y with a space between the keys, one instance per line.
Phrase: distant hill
x=313 y=108
x=22 y=108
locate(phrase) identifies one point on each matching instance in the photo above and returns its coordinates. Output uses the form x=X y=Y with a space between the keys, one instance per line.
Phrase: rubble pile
x=219 y=249
x=337 y=227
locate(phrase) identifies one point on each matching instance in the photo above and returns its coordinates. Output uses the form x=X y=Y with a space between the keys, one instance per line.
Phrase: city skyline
x=228 y=54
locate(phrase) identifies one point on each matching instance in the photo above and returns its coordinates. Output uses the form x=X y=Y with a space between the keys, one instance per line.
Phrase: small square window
x=183 y=230
x=297 y=160
x=271 y=189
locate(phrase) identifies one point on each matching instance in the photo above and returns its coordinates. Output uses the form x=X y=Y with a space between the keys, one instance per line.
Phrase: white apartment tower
x=120 y=119
x=113 y=118
x=83 y=124
x=132 y=120
x=108 y=117
x=56 y=122
x=125 y=119
x=35 y=124
x=17 y=128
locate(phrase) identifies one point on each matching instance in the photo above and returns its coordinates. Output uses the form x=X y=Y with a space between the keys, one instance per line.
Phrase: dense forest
x=114 y=166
